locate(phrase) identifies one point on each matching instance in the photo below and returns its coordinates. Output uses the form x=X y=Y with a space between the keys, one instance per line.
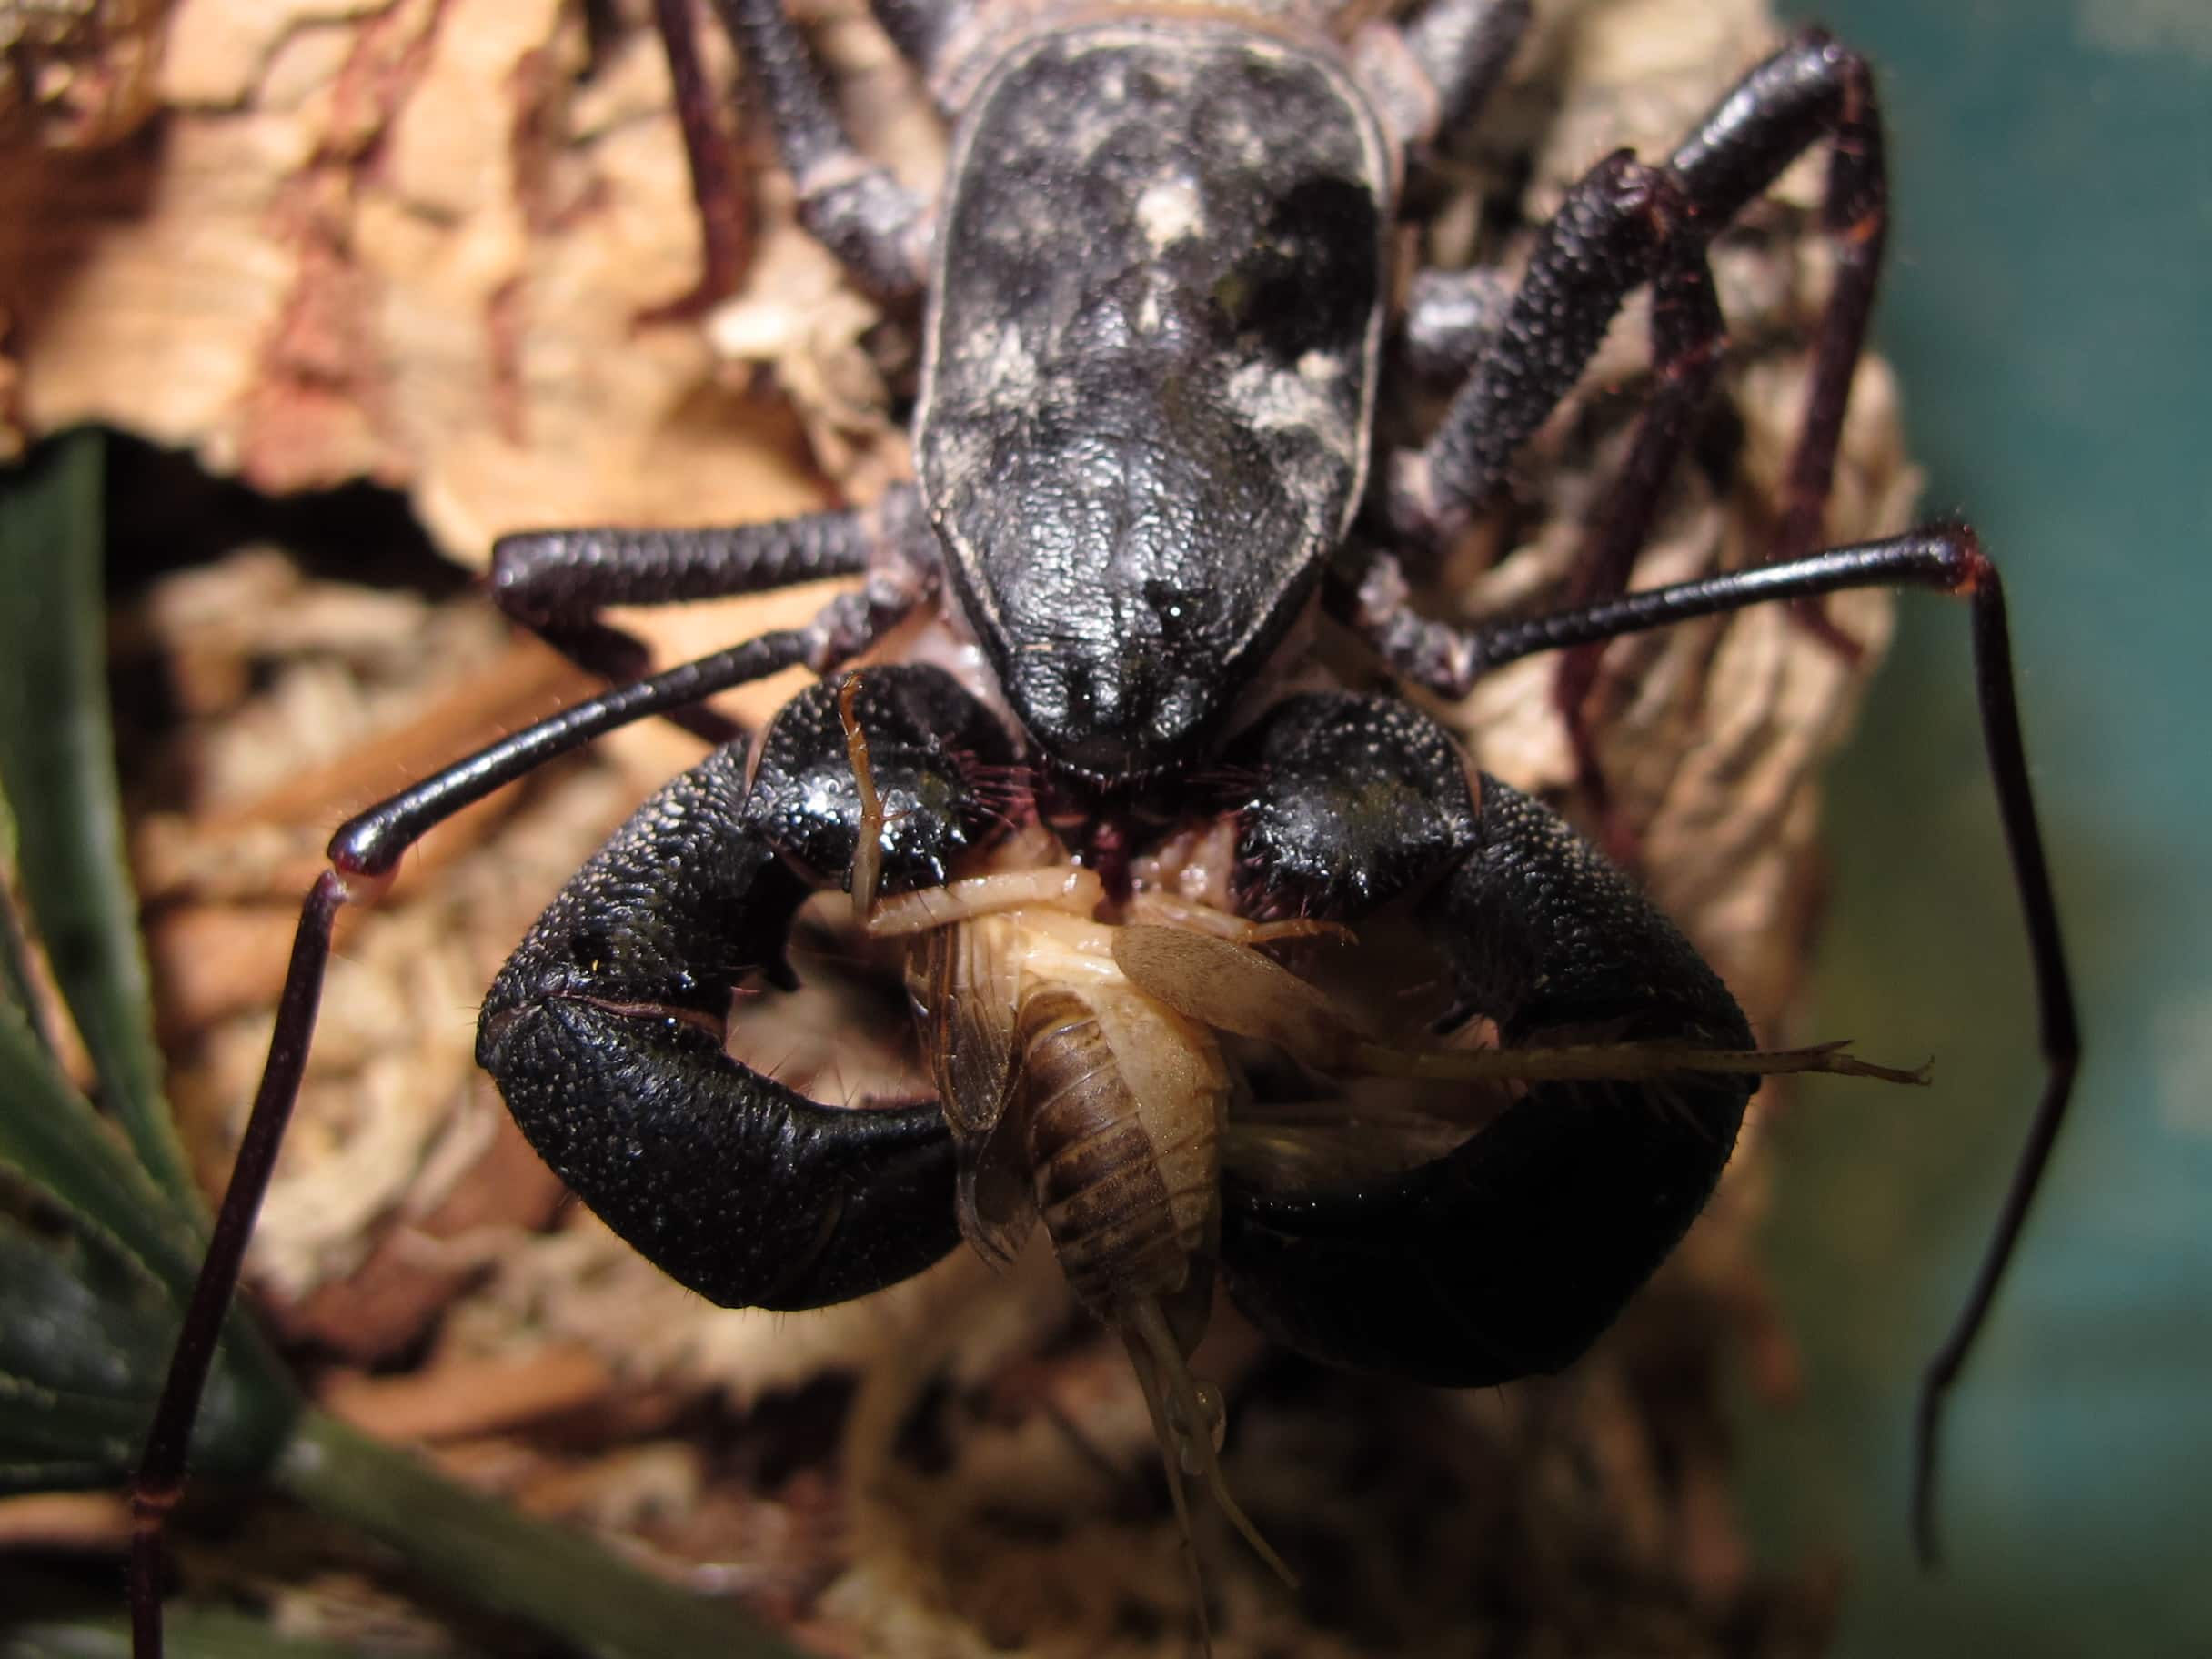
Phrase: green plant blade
x=552 y=1577
x=86 y=1320
x=15 y=945
x=53 y=1141
x=87 y=1316
x=84 y=1343
x=58 y=770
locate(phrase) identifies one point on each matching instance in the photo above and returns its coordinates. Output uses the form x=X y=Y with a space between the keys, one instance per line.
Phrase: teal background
x=2046 y=301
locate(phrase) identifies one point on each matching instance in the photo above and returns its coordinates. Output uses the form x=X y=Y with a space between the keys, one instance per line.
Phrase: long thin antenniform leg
x=557 y=582
x=2059 y=1028
x=158 y=1482
x=856 y=209
x=364 y=853
x=1947 y=559
x=725 y=222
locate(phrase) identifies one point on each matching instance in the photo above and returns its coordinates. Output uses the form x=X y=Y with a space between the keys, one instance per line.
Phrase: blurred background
x=2046 y=305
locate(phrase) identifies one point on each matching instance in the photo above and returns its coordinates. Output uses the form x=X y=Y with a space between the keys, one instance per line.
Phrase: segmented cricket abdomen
x=1049 y=1059
x=1124 y=1107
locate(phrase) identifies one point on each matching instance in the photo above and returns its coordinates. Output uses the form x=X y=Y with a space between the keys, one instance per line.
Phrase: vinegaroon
x=1156 y=285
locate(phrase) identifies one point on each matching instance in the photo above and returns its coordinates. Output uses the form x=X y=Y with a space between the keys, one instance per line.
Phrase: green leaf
x=88 y=1316
x=552 y=1576
x=14 y=947
x=84 y=1343
x=52 y=1138
x=86 y=1320
x=58 y=770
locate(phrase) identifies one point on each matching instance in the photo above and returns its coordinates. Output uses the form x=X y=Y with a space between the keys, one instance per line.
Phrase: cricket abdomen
x=1126 y=1186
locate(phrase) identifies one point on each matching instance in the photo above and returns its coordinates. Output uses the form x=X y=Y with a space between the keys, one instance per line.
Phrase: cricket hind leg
x=1188 y=1418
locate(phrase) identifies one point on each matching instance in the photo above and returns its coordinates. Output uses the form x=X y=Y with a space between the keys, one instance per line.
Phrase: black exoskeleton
x=1507 y=1257
x=1155 y=291
x=606 y=1028
x=605 y=1032
x=1139 y=460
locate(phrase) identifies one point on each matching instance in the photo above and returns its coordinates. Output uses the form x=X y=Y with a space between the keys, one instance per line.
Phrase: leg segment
x=371 y=845
x=922 y=29
x=1613 y=233
x=1450 y=320
x=725 y=219
x=1687 y=335
x=1431 y=74
x=856 y=209
x=363 y=855
x=1604 y=241
x=1508 y=1255
x=158 y=1483
x=1947 y=559
x=1459 y=49
x=556 y=582
x=1811 y=86
x=604 y=1029
x=1463 y=46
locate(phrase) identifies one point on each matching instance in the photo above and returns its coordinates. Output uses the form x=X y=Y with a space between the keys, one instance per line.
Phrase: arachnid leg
x=923 y=30
x=364 y=853
x=1450 y=318
x=1947 y=559
x=1508 y=1255
x=1430 y=74
x=604 y=1029
x=1687 y=337
x=874 y=224
x=1463 y=46
x=1627 y=215
x=1435 y=70
x=557 y=582
x=1625 y=225
x=711 y=152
